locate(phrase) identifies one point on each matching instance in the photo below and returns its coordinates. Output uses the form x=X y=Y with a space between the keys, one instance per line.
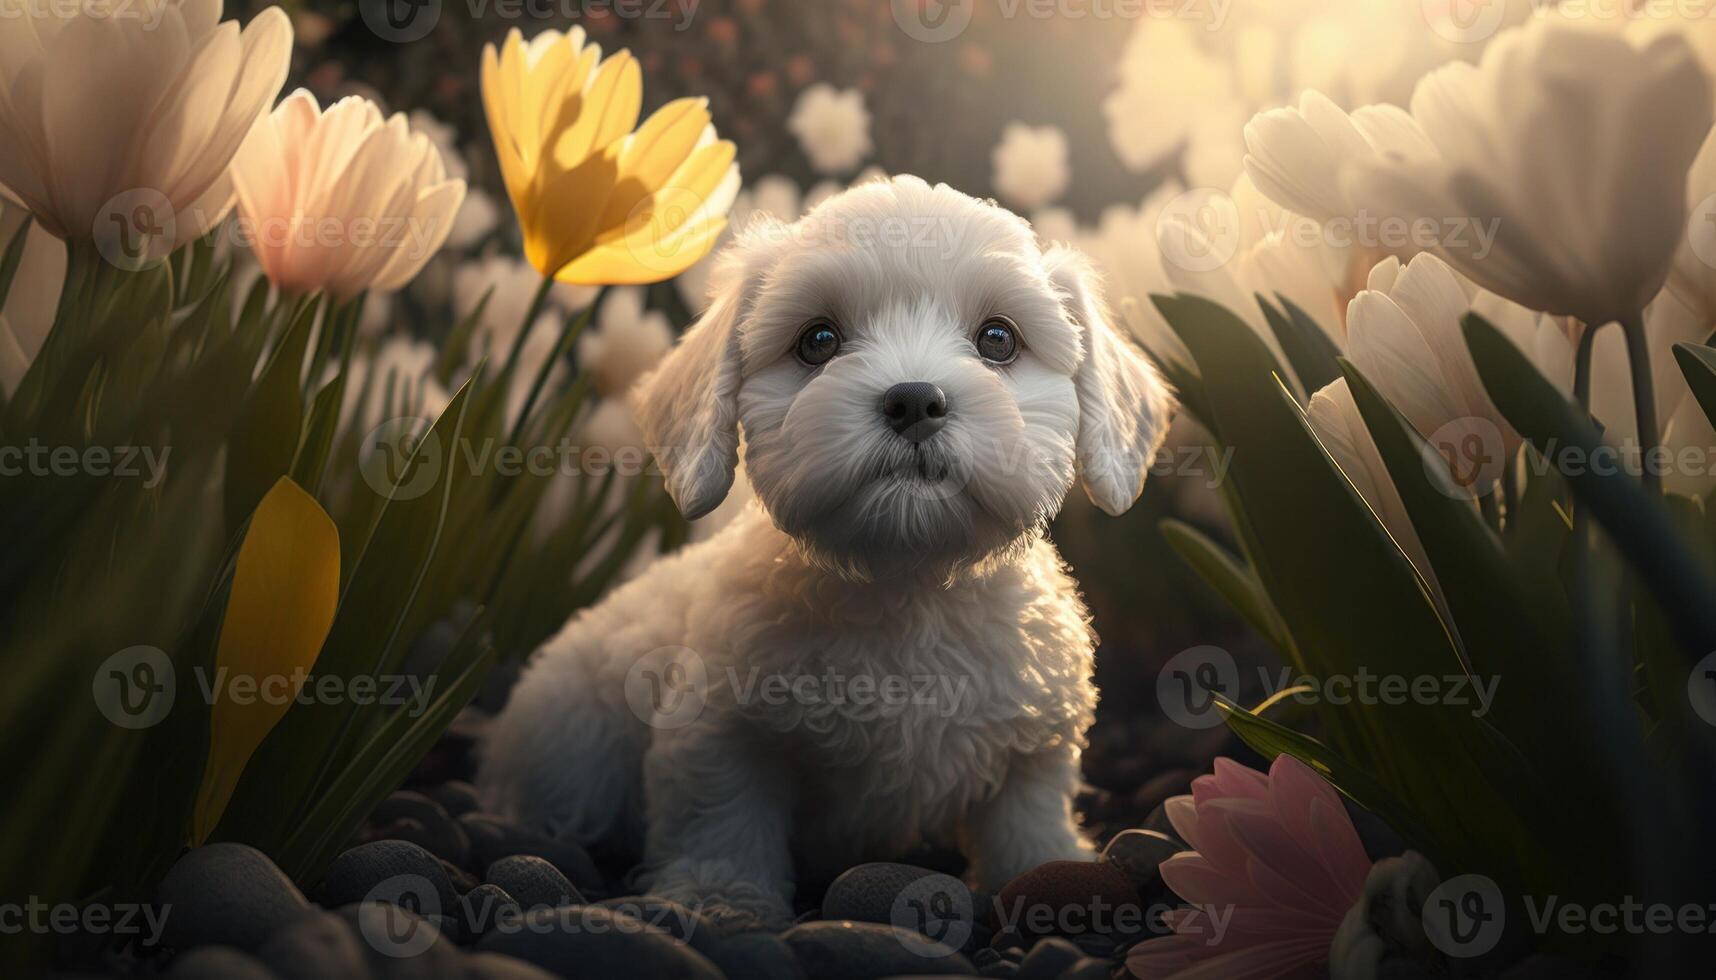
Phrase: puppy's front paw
x=722 y=893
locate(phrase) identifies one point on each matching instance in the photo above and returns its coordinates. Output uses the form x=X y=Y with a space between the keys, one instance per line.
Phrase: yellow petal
x=609 y=111
x=284 y=592
x=651 y=156
x=666 y=209
x=640 y=261
x=561 y=220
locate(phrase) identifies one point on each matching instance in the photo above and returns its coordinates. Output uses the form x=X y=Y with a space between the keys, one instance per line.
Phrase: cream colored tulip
x=103 y=111
x=1404 y=334
x=1335 y=418
x=342 y=201
x=1574 y=146
x=1693 y=279
x=1295 y=155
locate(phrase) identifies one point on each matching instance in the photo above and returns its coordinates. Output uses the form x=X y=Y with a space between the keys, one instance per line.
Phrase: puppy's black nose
x=915 y=409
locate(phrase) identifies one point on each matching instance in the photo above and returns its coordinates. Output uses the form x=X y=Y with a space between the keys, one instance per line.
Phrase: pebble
x=682 y=923
x=320 y=946
x=1070 y=898
x=440 y=834
x=457 y=797
x=937 y=905
x=493 y=838
x=756 y=956
x=532 y=881
x=846 y=950
x=1138 y=853
x=1089 y=969
x=1048 y=960
x=402 y=945
x=590 y=941
x=226 y=894
x=493 y=966
x=481 y=907
x=217 y=963
x=1000 y=968
x=389 y=870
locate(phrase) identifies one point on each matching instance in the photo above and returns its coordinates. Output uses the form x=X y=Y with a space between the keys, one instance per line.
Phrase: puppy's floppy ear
x=1124 y=406
x=688 y=406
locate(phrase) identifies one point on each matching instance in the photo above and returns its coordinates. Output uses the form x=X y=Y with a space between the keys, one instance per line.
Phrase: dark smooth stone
x=1138 y=853
x=580 y=941
x=217 y=963
x=1049 y=959
x=756 y=956
x=457 y=797
x=937 y=905
x=1069 y=898
x=226 y=894
x=493 y=838
x=533 y=882
x=847 y=950
x=393 y=871
x=319 y=946
x=441 y=835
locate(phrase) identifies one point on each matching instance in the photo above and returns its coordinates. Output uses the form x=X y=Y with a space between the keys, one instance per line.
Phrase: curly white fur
x=885 y=649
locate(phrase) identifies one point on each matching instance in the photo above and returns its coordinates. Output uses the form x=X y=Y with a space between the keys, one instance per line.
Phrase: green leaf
x=1310 y=352
x=1637 y=523
x=1349 y=598
x=1269 y=740
x=13 y=256
x=309 y=746
x=1698 y=364
x=1228 y=576
x=266 y=438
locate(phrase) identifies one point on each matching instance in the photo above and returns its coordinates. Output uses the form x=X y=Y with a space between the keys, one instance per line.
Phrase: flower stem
x=530 y=315
x=1644 y=400
x=568 y=336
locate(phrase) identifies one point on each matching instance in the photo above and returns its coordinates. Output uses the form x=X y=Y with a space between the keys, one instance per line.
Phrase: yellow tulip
x=600 y=203
x=278 y=613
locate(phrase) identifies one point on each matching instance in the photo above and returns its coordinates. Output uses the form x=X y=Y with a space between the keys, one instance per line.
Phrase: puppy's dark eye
x=997 y=340
x=818 y=342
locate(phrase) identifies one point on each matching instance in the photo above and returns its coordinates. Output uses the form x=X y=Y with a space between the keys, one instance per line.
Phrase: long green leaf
x=1236 y=583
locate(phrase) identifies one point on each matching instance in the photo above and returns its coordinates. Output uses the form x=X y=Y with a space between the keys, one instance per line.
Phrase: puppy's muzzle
x=915 y=409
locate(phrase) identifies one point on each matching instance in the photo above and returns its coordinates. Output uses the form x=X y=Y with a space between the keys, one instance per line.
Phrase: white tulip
x=1030 y=165
x=1404 y=335
x=832 y=126
x=342 y=200
x=1295 y=155
x=103 y=114
x=1335 y=418
x=1693 y=278
x=1574 y=146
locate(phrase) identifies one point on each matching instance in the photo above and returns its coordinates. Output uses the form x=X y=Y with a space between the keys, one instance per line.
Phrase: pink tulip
x=1274 y=868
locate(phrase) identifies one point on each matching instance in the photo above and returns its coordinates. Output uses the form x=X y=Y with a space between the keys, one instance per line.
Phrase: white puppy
x=885 y=649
